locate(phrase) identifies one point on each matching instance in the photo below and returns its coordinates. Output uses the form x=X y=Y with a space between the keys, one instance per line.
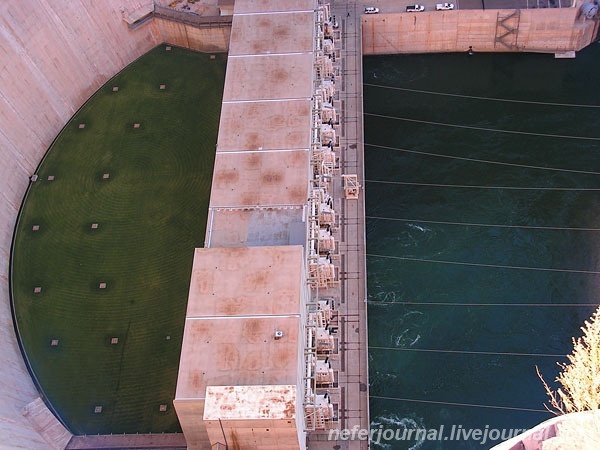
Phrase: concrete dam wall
x=507 y=30
x=55 y=54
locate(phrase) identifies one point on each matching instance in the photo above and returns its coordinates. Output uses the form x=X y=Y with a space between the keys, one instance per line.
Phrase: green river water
x=474 y=233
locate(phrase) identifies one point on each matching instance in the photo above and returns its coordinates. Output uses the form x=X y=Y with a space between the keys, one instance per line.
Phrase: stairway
x=507 y=29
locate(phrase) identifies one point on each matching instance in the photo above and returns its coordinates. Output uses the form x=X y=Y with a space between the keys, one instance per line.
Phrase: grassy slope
x=151 y=214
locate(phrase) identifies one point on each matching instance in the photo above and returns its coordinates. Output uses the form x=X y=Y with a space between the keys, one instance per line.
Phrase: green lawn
x=151 y=213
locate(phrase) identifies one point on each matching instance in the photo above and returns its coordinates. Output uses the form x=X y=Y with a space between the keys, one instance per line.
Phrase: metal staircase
x=507 y=29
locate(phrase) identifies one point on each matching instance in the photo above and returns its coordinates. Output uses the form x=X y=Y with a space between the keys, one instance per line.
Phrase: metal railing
x=191 y=18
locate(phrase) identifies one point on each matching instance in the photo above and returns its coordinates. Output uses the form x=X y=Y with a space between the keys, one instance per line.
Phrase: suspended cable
x=494 y=99
x=472 y=186
x=467 y=352
x=470 y=224
x=469 y=127
x=493 y=266
x=534 y=305
x=484 y=161
x=471 y=405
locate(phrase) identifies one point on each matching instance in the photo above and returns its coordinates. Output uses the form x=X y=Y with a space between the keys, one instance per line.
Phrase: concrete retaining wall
x=536 y=30
x=575 y=430
x=55 y=54
x=200 y=39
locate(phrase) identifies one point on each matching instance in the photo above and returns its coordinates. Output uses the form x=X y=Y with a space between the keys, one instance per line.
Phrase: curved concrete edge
x=47 y=425
x=61 y=52
x=555 y=433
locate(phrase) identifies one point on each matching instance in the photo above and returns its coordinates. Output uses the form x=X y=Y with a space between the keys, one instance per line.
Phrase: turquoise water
x=417 y=302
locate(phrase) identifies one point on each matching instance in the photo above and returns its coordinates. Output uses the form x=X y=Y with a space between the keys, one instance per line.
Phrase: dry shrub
x=580 y=377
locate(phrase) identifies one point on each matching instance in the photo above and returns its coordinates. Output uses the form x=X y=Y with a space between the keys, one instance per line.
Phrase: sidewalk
x=353 y=337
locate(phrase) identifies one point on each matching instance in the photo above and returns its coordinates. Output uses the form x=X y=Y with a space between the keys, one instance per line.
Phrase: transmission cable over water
x=492 y=266
x=467 y=352
x=470 y=127
x=493 y=99
x=530 y=305
x=472 y=186
x=471 y=405
x=469 y=224
x=484 y=161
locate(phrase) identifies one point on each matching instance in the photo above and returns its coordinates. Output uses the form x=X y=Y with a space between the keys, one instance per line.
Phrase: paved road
x=352 y=362
x=396 y=6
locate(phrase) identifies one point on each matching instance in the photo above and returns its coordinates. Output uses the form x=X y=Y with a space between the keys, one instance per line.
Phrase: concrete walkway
x=167 y=441
x=353 y=338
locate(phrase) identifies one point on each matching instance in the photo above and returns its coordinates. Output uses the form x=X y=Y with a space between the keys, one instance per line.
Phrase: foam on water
x=418 y=227
x=470 y=378
x=399 y=425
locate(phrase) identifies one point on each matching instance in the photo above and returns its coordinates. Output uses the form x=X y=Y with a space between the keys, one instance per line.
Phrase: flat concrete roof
x=273 y=33
x=250 y=402
x=245 y=281
x=269 y=77
x=265 y=125
x=262 y=164
x=270 y=6
x=256 y=227
x=260 y=179
x=238 y=298
x=233 y=351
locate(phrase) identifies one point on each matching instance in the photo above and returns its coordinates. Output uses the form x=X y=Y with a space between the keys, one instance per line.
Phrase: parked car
x=415 y=8
x=444 y=6
x=371 y=10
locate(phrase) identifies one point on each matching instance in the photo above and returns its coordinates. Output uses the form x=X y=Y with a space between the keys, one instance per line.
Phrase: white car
x=415 y=8
x=371 y=10
x=444 y=6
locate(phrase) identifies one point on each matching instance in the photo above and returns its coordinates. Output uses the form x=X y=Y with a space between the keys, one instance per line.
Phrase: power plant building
x=255 y=334
x=268 y=357
x=240 y=377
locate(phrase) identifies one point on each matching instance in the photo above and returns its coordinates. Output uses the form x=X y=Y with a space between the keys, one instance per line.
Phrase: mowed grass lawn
x=151 y=212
